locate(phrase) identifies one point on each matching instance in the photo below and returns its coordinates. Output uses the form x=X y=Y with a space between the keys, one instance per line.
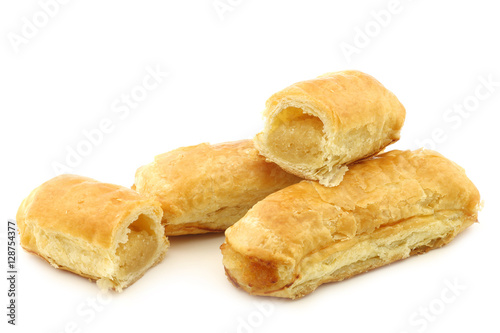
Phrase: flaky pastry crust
x=101 y=231
x=387 y=208
x=314 y=128
x=207 y=188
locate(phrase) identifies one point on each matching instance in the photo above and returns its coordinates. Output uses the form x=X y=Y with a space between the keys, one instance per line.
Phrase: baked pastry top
x=207 y=188
x=314 y=128
x=387 y=208
x=101 y=231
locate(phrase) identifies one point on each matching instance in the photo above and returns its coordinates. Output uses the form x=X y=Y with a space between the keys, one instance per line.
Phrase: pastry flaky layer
x=314 y=128
x=207 y=188
x=387 y=208
x=104 y=232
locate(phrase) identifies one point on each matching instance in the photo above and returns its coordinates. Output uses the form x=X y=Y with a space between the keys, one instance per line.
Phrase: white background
x=73 y=70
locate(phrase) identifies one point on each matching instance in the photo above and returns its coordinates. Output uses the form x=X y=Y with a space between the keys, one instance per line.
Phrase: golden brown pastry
x=207 y=188
x=314 y=128
x=104 y=232
x=387 y=208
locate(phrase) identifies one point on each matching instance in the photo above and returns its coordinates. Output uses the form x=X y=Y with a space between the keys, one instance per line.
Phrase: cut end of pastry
x=100 y=231
x=142 y=247
x=296 y=140
x=314 y=128
x=294 y=134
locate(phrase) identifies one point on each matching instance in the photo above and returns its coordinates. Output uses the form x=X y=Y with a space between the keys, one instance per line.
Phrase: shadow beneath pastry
x=49 y=275
x=413 y=265
x=194 y=250
x=179 y=245
x=177 y=241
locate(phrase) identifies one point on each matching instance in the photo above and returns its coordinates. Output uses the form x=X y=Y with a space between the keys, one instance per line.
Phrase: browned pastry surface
x=101 y=231
x=207 y=188
x=314 y=128
x=387 y=208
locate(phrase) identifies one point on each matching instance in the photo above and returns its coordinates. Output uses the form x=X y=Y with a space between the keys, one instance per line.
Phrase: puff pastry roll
x=387 y=208
x=103 y=232
x=207 y=188
x=314 y=128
